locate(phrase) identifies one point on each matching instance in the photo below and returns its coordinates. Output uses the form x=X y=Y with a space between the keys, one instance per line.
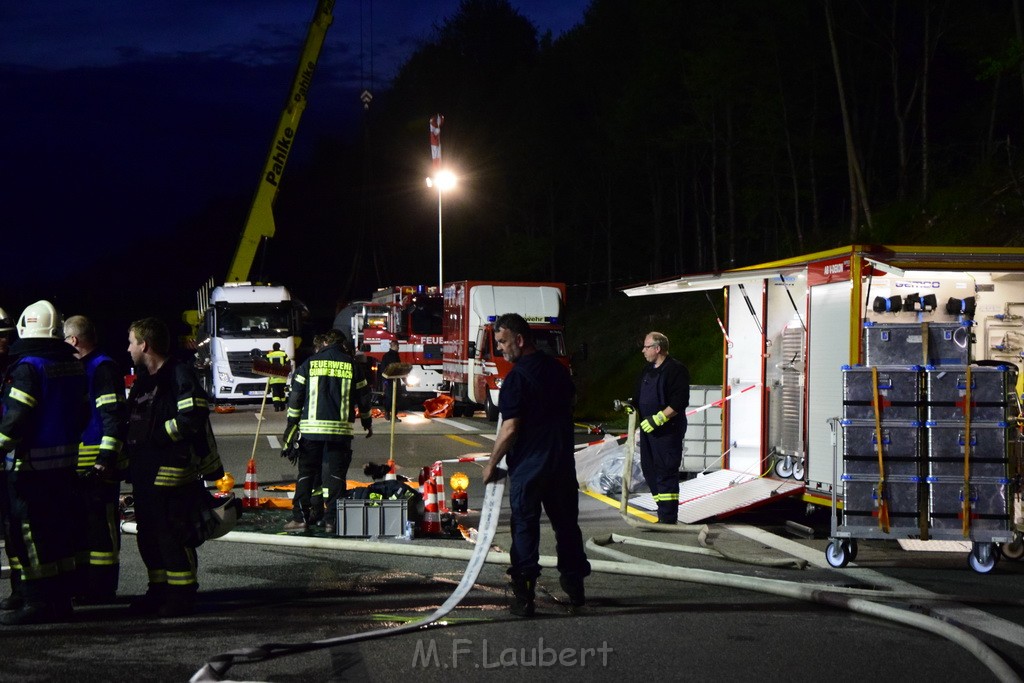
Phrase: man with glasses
x=662 y=394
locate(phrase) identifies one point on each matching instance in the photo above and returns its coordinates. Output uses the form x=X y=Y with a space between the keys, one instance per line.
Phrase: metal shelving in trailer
x=791 y=326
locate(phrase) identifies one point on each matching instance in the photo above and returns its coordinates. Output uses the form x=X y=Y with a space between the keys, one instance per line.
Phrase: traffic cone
x=431 y=523
x=438 y=472
x=250 y=497
x=392 y=473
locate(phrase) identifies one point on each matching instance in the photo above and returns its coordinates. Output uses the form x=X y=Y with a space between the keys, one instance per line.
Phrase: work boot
x=295 y=525
x=573 y=587
x=181 y=604
x=522 y=597
x=35 y=613
x=12 y=602
x=148 y=603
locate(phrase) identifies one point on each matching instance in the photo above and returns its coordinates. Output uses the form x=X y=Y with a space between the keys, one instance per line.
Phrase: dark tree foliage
x=665 y=137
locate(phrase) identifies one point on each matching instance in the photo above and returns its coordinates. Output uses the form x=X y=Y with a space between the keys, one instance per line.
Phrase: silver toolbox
x=989 y=449
x=946 y=391
x=901 y=448
x=904 y=343
x=899 y=392
x=367 y=518
x=990 y=500
x=861 y=502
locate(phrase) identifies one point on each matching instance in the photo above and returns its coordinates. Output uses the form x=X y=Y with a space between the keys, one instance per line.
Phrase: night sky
x=124 y=120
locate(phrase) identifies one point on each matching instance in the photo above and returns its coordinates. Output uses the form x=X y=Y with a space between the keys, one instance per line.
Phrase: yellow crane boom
x=260 y=222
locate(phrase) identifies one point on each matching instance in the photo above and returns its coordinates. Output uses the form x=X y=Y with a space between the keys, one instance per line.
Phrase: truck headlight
x=223 y=376
x=412 y=380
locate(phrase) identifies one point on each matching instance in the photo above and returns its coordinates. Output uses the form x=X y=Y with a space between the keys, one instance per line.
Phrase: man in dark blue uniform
x=662 y=394
x=535 y=405
x=45 y=408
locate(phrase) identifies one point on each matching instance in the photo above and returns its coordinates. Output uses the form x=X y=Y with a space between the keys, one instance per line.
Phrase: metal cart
x=926 y=471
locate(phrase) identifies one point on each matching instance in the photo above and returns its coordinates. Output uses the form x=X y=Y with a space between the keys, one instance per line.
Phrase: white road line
x=274 y=443
x=958 y=614
x=453 y=423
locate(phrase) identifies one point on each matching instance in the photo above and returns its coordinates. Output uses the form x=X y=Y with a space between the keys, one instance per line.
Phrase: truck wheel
x=491 y=409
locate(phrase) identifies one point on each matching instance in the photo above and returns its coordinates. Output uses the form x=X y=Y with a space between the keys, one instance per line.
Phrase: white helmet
x=39 y=321
x=6 y=324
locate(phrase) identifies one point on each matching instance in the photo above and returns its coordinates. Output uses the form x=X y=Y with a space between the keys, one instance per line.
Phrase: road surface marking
x=274 y=443
x=453 y=423
x=456 y=437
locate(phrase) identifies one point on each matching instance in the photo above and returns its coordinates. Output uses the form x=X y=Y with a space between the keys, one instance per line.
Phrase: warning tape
x=720 y=402
x=217 y=666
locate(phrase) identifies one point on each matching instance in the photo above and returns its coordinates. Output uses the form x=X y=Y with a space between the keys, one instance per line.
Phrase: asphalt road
x=632 y=627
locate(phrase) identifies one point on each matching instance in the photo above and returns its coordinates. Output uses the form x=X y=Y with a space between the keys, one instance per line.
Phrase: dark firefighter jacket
x=169 y=441
x=325 y=391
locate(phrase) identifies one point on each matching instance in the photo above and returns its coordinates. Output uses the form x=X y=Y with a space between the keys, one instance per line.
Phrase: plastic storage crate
x=904 y=343
x=368 y=518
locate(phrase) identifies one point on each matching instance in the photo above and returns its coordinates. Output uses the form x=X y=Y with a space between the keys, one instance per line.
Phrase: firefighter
x=662 y=394
x=170 y=449
x=101 y=462
x=277 y=383
x=390 y=385
x=6 y=339
x=326 y=389
x=45 y=401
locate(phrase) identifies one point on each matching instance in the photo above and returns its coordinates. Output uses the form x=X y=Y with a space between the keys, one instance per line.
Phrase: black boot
x=522 y=597
x=573 y=587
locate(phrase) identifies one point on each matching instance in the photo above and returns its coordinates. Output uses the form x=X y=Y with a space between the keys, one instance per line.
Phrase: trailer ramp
x=723 y=493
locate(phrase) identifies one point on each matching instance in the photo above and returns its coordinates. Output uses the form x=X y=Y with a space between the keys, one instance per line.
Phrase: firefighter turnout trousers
x=661 y=454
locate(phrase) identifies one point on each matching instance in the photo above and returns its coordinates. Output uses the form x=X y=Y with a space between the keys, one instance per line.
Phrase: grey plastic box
x=899 y=390
x=904 y=343
x=369 y=518
x=946 y=391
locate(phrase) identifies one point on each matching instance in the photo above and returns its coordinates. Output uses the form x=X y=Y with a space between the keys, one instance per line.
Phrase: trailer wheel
x=836 y=554
x=1013 y=550
x=851 y=548
x=491 y=409
x=983 y=557
x=784 y=467
x=799 y=470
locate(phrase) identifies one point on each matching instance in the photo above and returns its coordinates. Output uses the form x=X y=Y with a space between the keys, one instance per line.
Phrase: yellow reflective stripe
x=86 y=461
x=186 y=403
x=88 y=449
x=175 y=476
x=110 y=443
x=300 y=379
x=157 y=576
x=171 y=427
x=294 y=412
x=181 y=578
x=325 y=427
x=107 y=399
x=6 y=441
x=360 y=384
x=102 y=559
x=21 y=397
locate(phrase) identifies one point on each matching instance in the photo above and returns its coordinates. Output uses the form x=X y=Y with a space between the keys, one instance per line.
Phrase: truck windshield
x=425 y=316
x=550 y=341
x=250 y=321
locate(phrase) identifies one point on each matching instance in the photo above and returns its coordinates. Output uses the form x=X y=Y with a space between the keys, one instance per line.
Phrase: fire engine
x=408 y=314
x=474 y=369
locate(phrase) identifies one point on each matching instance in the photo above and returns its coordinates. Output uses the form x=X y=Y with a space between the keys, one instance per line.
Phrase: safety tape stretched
x=218 y=665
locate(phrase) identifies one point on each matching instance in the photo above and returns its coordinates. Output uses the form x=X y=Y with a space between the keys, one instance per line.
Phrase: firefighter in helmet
x=46 y=407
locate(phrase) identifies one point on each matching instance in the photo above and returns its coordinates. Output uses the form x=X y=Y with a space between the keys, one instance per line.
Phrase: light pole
x=442 y=181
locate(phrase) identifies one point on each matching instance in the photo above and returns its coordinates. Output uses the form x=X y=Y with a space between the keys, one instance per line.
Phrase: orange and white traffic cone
x=250 y=497
x=431 y=523
x=392 y=473
x=438 y=472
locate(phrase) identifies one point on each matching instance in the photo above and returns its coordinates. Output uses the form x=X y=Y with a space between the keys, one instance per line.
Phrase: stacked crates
x=900 y=431
x=933 y=439
x=969 y=443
